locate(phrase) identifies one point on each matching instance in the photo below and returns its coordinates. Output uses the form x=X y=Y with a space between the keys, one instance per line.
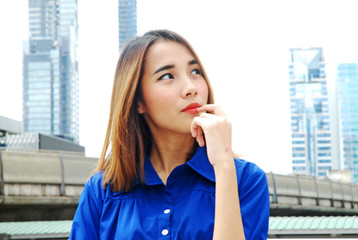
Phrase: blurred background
x=244 y=46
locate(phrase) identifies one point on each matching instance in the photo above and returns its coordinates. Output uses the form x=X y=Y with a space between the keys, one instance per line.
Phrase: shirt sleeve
x=86 y=221
x=254 y=201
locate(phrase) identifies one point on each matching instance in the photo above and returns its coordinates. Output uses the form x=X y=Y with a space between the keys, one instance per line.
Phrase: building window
x=298 y=168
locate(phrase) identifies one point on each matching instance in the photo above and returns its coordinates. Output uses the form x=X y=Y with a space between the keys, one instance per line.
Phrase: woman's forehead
x=165 y=51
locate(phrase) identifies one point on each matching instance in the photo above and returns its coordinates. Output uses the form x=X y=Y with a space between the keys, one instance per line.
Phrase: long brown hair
x=128 y=138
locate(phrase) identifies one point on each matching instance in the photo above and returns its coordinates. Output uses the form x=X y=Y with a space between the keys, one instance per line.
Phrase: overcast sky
x=243 y=45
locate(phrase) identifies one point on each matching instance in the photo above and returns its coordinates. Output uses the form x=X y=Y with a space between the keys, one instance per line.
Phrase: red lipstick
x=191 y=108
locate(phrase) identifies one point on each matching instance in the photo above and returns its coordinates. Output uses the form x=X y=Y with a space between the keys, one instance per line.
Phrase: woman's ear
x=140 y=108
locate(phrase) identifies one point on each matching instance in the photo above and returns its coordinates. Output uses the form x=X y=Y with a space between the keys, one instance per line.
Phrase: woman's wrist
x=225 y=164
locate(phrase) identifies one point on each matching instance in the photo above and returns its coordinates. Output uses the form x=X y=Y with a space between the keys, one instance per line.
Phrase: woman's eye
x=196 y=72
x=166 y=76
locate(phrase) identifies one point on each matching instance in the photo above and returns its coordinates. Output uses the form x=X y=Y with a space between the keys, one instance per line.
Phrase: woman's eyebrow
x=163 y=68
x=192 y=62
x=166 y=67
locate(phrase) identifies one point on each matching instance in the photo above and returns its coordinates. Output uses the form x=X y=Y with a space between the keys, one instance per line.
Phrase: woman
x=167 y=170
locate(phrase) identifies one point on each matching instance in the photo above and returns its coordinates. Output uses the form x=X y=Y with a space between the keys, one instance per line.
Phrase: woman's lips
x=191 y=108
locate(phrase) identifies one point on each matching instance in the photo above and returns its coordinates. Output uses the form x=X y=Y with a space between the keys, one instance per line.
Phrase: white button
x=166 y=211
x=165 y=232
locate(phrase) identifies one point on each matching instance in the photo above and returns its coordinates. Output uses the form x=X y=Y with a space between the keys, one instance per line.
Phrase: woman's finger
x=207 y=115
x=196 y=129
x=200 y=137
x=211 y=108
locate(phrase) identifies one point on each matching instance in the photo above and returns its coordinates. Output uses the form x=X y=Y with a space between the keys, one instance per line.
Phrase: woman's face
x=172 y=87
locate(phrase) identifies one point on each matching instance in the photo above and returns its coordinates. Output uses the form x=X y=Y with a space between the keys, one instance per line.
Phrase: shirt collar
x=151 y=176
x=199 y=163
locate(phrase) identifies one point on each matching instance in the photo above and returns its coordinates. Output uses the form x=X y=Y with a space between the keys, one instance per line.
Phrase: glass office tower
x=50 y=69
x=347 y=101
x=127 y=20
x=310 y=121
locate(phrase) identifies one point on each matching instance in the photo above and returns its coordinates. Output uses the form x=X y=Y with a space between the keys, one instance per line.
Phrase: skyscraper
x=50 y=69
x=346 y=80
x=310 y=120
x=127 y=20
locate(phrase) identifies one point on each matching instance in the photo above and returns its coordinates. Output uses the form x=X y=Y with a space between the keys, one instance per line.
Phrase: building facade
x=346 y=80
x=310 y=119
x=50 y=69
x=127 y=21
x=8 y=127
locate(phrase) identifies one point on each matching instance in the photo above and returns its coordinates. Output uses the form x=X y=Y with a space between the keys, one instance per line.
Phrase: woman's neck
x=168 y=151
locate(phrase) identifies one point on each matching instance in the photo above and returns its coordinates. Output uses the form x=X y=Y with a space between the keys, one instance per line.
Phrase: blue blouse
x=182 y=209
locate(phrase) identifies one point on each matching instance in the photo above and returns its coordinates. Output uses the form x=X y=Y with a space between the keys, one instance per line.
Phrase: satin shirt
x=184 y=208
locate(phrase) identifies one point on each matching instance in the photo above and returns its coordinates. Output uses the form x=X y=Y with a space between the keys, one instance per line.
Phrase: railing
x=307 y=192
x=57 y=175
x=46 y=175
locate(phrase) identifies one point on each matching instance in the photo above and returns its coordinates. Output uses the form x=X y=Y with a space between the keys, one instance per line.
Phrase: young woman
x=167 y=170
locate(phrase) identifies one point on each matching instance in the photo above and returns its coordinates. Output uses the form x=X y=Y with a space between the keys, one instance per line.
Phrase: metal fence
x=309 y=192
x=43 y=174
x=63 y=174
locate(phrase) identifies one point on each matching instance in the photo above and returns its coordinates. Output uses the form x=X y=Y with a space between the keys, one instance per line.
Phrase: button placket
x=165 y=214
x=166 y=220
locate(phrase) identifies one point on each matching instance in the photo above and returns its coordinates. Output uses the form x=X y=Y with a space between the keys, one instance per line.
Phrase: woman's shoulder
x=249 y=171
x=95 y=185
x=95 y=180
x=247 y=165
x=100 y=189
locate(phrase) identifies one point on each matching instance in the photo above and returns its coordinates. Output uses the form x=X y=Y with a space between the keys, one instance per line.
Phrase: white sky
x=242 y=44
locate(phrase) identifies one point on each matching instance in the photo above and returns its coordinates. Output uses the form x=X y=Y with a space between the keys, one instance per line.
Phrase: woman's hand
x=217 y=131
x=216 y=128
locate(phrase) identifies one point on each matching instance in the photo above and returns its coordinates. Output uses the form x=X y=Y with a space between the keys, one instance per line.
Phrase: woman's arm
x=85 y=223
x=228 y=222
x=217 y=129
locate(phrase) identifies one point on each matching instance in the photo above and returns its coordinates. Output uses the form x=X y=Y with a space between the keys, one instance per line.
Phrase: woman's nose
x=189 y=89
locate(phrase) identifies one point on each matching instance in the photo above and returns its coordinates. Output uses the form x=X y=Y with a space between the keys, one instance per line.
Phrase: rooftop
x=336 y=226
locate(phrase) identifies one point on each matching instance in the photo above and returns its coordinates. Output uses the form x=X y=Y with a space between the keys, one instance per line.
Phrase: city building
x=345 y=98
x=127 y=20
x=13 y=138
x=8 y=127
x=28 y=142
x=310 y=120
x=50 y=69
